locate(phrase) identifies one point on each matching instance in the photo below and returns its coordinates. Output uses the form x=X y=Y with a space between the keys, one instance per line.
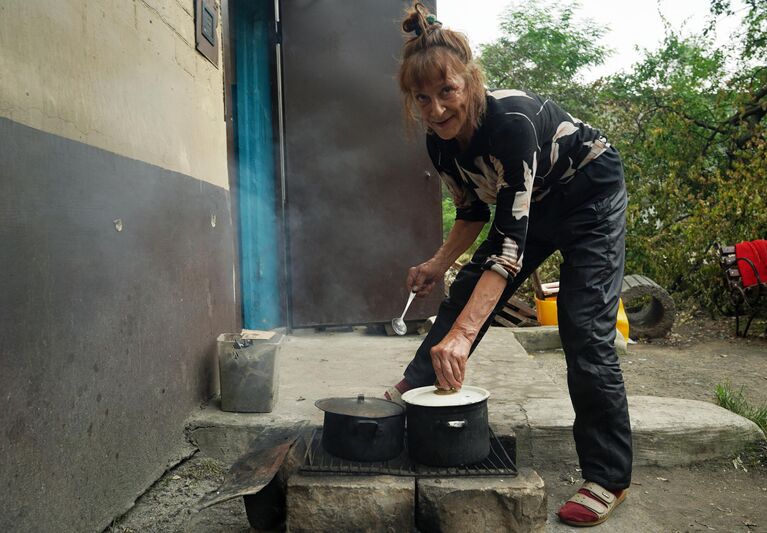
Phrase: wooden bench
x=746 y=301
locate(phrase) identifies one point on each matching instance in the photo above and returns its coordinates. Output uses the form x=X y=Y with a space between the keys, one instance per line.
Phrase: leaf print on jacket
x=597 y=148
x=521 y=205
x=563 y=130
x=485 y=180
x=526 y=148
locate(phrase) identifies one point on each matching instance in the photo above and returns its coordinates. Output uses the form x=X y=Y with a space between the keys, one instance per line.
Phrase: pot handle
x=453 y=424
x=367 y=428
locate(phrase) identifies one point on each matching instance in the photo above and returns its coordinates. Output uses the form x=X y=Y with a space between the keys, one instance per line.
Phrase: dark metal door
x=363 y=201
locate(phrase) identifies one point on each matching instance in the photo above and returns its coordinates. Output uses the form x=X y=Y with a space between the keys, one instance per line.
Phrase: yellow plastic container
x=547 y=314
x=547 y=311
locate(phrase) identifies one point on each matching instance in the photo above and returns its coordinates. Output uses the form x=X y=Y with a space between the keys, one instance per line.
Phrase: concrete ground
x=669 y=434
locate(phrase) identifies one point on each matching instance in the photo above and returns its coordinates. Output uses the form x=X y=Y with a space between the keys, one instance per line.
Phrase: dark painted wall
x=106 y=337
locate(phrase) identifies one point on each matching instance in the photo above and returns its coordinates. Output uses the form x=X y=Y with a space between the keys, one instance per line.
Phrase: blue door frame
x=253 y=24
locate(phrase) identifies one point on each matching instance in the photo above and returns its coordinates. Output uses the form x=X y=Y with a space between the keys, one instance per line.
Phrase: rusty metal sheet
x=249 y=474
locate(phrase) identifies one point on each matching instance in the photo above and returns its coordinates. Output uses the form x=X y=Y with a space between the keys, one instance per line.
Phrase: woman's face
x=443 y=104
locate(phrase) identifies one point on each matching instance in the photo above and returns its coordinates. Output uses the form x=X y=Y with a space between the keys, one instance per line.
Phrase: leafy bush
x=688 y=119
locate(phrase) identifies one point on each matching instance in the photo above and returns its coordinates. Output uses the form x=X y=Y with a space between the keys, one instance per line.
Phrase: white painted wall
x=121 y=75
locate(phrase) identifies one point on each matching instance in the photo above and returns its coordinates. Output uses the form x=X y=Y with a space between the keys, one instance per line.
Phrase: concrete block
x=350 y=503
x=538 y=339
x=546 y=338
x=486 y=504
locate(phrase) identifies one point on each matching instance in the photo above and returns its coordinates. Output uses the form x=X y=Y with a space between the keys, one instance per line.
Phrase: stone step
x=226 y=436
x=665 y=431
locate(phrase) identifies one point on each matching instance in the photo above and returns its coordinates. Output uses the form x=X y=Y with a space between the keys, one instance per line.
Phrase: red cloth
x=756 y=252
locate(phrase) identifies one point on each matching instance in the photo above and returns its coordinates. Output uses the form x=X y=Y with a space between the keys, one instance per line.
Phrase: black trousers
x=586 y=221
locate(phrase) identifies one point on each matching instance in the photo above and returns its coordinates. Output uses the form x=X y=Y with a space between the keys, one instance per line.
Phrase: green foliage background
x=688 y=119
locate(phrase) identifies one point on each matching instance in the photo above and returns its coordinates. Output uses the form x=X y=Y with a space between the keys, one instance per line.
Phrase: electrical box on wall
x=206 y=29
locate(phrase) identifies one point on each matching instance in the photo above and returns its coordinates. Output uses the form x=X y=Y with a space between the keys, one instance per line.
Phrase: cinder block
x=350 y=503
x=486 y=504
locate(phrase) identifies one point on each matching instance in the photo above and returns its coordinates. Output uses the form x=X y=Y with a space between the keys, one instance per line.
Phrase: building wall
x=121 y=75
x=116 y=252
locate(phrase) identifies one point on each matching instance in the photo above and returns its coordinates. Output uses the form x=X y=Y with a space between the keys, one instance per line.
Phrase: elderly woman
x=557 y=184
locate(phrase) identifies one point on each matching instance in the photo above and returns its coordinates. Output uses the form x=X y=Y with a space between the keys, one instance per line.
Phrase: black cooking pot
x=447 y=429
x=362 y=429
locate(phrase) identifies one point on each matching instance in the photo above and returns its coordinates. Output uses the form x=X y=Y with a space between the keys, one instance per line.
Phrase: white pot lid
x=427 y=397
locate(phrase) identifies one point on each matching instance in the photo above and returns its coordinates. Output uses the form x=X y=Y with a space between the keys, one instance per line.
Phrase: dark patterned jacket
x=525 y=147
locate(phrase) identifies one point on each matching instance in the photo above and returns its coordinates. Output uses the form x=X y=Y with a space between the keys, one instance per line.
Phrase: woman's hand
x=449 y=356
x=449 y=359
x=421 y=279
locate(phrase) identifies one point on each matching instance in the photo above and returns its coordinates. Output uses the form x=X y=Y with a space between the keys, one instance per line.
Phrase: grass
x=736 y=402
x=205 y=468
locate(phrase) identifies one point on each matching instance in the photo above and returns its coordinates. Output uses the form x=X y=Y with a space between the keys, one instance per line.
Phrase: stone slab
x=666 y=431
x=331 y=504
x=546 y=338
x=538 y=338
x=486 y=504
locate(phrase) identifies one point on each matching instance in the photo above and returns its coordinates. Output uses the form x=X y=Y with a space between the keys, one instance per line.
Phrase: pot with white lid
x=447 y=429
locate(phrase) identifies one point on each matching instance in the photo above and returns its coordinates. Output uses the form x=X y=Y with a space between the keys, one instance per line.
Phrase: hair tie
x=431 y=20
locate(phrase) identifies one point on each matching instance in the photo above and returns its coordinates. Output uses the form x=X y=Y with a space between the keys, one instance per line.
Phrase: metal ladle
x=398 y=324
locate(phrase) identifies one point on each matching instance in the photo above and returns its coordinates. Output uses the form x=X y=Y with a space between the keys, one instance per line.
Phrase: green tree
x=754 y=41
x=692 y=133
x=544 y=48
x=688 y=118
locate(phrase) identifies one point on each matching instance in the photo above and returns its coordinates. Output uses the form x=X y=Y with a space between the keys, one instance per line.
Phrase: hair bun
x=411 y=23
x=418 y=20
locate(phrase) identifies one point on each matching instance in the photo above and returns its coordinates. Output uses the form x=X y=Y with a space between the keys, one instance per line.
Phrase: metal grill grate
x=317 y=460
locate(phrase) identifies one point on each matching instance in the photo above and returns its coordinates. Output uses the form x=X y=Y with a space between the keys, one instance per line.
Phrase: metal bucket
x=248 y=373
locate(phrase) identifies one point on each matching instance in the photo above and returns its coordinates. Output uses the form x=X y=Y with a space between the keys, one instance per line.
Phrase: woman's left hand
x=449 y=359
